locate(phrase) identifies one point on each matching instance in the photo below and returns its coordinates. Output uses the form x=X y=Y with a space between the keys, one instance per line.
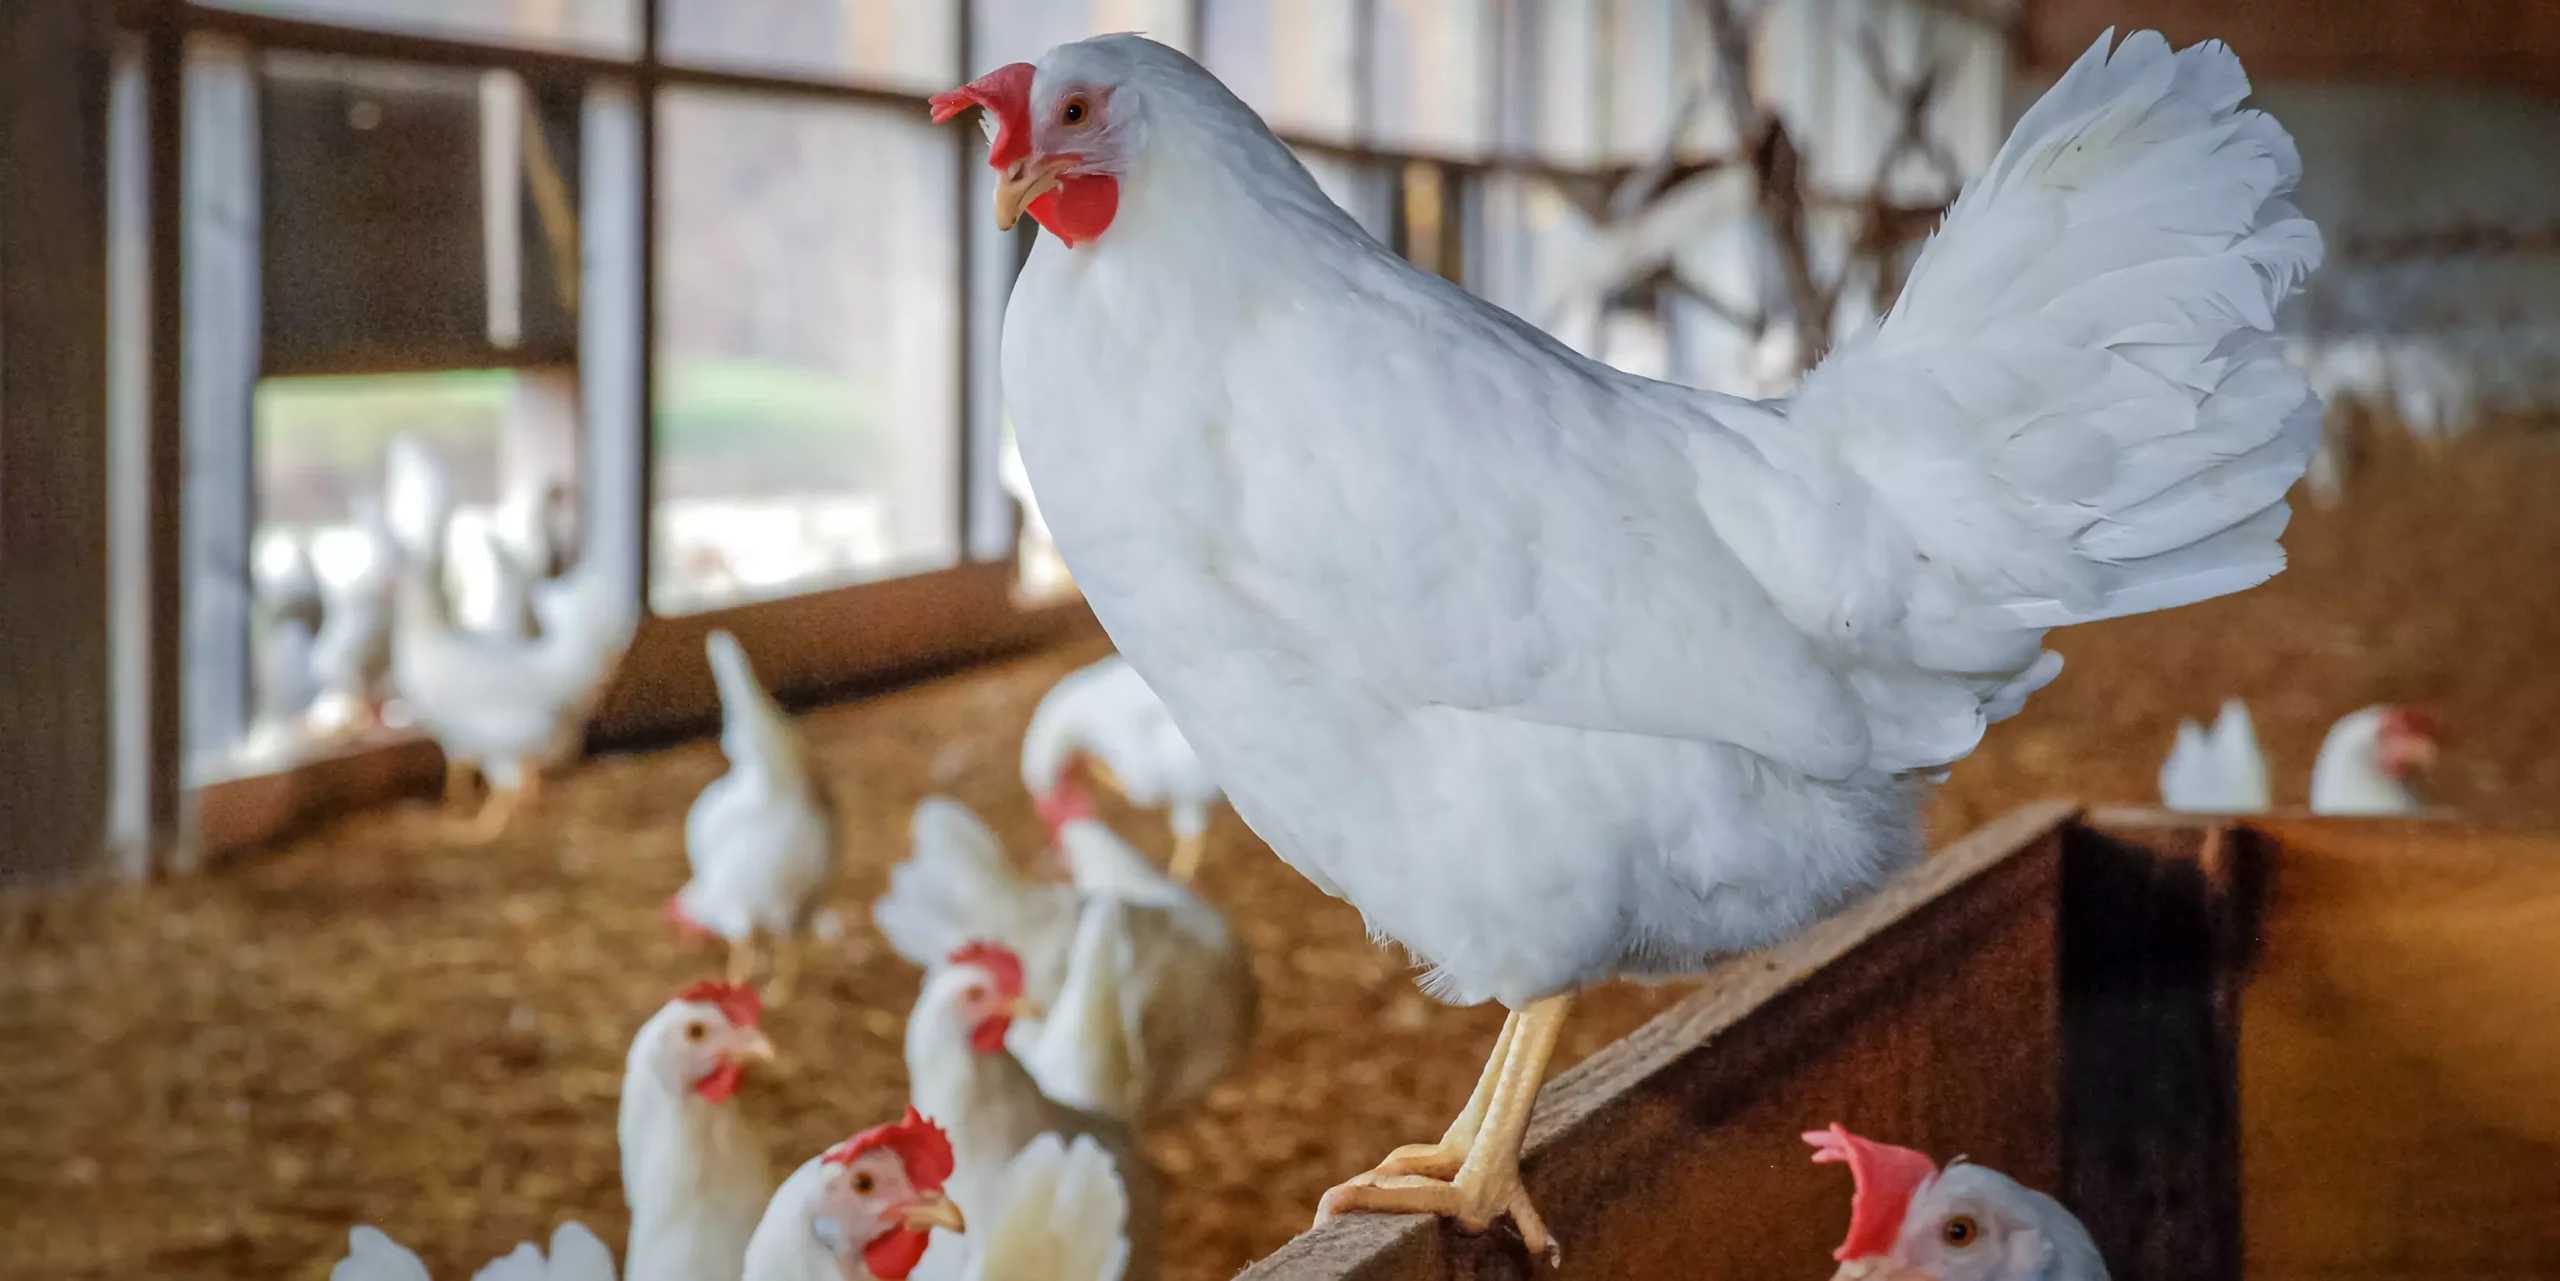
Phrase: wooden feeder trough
x=2282 y=1048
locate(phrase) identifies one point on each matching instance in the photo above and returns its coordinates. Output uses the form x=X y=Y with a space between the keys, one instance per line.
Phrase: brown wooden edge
x=1379 y=1247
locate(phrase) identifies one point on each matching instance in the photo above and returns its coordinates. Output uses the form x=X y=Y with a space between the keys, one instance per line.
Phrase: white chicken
x=2374 y=761
x=1148 y=997
x=509 y=708
x=693 y=1170
x=1060 y=1215
x=960 y=1072
x=761 y=838
x=351 y=655
x=1911 y=1221
x=1104 y=716
x=1557 y=673
x=2217 y=771
x=576 y=1255
x=863 y=1210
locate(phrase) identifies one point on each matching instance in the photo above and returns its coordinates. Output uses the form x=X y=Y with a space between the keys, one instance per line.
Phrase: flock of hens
x=1556 y=673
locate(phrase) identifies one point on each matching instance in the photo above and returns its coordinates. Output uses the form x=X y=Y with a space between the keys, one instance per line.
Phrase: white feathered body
x=993 y=1109
x=1557 y=673
x=761 y=838
x=1105 y=710
x=2217 y=771
x=575 y=1255
x=1060 y=1215
x=958 y=886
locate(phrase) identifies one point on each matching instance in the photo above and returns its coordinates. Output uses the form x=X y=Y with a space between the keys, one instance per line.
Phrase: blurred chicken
x=1061 y=1215
x=576 y=1255
x=1105 y=716
x=2220 y=771
x=762 y=837
x=509 y=708
x=2375 y=762
x=693 y=1171
x=865 y=1208
x=960 y=1072
x=1911 y=1221
x=351 y=655
x=1148 y=996
x=959 y=886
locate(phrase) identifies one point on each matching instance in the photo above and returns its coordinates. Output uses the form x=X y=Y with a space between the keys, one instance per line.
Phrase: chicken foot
x=500 y=809
x=786 y=969
x=1485 y=1182
x=742 y=958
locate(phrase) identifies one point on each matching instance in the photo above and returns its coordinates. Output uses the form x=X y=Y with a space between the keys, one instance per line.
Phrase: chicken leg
x=742 y=958
x=1473 y=1173
x=1186 y=857
x=786 y=969
x=457 y=785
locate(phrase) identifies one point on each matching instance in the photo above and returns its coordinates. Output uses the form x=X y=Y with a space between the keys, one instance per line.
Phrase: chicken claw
x=1472 y=1174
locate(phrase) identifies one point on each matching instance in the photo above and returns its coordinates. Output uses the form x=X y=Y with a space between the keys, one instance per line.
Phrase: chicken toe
x=1482 y=1183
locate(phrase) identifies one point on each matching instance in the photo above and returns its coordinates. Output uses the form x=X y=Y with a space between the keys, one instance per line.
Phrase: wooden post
x=2150 y=1071
x=55 y=711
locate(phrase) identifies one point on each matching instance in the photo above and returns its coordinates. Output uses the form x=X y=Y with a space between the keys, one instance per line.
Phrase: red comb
x=1006 y=92
x=1886 y=1178
x=2419 y=722
x=996 y=959
x=738 y=1003
x=920 y=1144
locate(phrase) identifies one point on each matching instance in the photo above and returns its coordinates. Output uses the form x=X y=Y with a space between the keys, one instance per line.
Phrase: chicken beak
x=1028 y=180
x=2418 y=755
x=1024 y=1007
x=751 y=1048
x=935 y=1210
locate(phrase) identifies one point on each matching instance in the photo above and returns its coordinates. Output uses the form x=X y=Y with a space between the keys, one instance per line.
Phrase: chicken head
x=707 y=1037
x=1911 y=1221
x=985 y=988
x=884 y=1198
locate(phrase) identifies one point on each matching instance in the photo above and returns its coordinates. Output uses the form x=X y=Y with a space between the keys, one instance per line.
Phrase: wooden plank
x=2481 y=43
x=1927 y=1015
x=2397 y=1059
x=2150 y=1091
x=55 y=714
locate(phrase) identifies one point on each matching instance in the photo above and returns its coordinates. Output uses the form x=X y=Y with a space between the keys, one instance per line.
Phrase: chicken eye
x=1960 y=1231
x=863 y=1183
x=975 y=995
x=1074 y=112
x=695 y=1031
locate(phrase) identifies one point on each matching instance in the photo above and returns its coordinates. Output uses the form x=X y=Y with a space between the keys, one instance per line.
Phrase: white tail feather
x=575 y=1255
x=2217 y=771
x=2077 y=409
x=959 y=886
x=1065 y=1217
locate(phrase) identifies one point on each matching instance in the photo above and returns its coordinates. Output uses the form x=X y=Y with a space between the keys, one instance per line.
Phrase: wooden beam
x=2512 y=44
x=1926 y=1015
x=55 y=709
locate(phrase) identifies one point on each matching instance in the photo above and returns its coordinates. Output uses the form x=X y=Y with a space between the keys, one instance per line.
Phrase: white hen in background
x=693 y=1170
x=1911 y=1221
x=960 y=1073
x=958 y=886
x=1146 y=996
x=863 y=1210
x=2373 y=761
x=1557 y=673
x=576 y=1255
x=1103 y=714
x=2217 y=771
x=762 y=837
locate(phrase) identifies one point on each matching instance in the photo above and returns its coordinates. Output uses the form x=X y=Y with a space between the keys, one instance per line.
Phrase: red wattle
x=988 y=1036
x=1079 y=208
x=895 y=1253
x=723 y=1082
